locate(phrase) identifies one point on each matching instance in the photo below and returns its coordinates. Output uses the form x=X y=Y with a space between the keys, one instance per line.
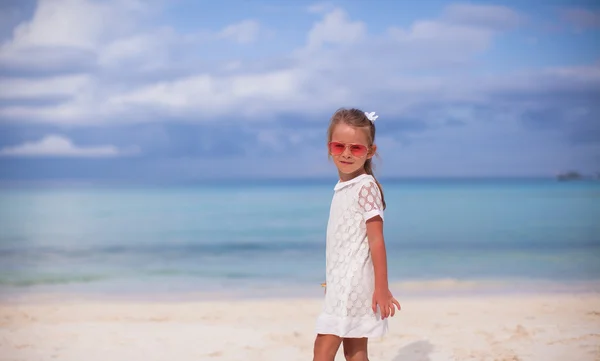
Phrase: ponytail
x=369 y=171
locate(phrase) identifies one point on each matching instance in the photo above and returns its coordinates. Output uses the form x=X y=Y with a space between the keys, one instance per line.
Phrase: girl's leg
x=355 y=349
x=326 y=346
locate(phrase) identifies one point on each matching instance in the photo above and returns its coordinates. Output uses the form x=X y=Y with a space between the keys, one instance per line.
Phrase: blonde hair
x=356 y=118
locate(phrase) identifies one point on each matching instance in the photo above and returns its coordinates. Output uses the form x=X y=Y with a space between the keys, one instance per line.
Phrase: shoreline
x=200 y=298
x=414 y=289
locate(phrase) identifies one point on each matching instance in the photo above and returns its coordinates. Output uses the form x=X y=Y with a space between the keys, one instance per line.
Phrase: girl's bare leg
x=355 y=349
x=326 y=346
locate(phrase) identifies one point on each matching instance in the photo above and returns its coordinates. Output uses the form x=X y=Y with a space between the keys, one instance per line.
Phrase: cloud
x=200 y=102
x=421 y=76
x=581 y=19
x=486 y=16
x=321 y=7
x=63 y=34
x=244 y=32
x=60 y=146
x=317 y=73
x=335 y=28
x=88 y=36
x=11 y=14
x=214 y=94
x=57 y=86
x=81 y=63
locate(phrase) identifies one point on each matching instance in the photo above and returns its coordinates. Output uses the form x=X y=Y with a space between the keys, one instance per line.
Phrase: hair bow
x=371 y=116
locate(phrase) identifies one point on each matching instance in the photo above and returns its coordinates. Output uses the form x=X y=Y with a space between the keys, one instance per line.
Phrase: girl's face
x=349 y=148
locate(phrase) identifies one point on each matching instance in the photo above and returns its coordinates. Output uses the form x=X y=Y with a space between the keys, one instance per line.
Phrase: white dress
x=347 y=309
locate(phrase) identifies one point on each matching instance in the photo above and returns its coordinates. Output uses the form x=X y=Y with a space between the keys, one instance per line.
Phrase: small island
x=569 y=176
x=574 y=176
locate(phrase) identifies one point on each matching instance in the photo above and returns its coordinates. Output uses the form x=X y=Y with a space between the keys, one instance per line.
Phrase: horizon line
x=264 y=180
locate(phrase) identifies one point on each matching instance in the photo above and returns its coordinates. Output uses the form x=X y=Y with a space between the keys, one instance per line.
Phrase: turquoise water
x=207 y=237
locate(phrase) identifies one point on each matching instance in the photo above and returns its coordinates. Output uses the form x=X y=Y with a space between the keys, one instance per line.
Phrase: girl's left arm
x=378 y=252
x=382 y=296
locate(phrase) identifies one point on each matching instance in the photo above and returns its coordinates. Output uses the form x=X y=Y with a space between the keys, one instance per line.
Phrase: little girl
x=357 y=298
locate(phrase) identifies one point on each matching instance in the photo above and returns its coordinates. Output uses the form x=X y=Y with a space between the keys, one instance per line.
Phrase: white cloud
x=448 y=39
x=336 y=28
x=111 y=33
x=396 y=71
x=320 y=8
x=418 y=76
x=65 y=29
x=244 y=32
x=489 y=16
x=150 y=50
x=69 y=85
x=340 y=65
x=319 y=76
x=582 y=18
x=60 y=146
x=53 y=26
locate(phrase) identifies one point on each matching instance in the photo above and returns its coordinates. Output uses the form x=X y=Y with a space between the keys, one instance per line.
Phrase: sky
x=186 y=90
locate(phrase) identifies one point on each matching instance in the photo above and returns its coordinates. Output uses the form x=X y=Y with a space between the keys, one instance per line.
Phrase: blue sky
x=156 y=90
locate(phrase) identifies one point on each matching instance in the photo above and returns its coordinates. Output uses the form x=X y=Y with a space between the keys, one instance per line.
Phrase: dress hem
x=351 y=328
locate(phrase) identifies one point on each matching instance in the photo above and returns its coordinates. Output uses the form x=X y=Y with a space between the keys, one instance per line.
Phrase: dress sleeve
x=369 y=201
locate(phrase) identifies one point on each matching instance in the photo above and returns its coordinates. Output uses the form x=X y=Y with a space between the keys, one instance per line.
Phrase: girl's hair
x=356 y=118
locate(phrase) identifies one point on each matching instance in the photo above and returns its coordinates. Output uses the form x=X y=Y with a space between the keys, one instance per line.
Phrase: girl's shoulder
x=367 y=179
x=366 y=184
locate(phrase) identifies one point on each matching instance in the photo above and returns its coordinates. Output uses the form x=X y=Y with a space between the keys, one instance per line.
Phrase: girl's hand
x=384 y=299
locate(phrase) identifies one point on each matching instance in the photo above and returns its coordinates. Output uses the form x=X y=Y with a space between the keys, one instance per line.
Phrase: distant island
x=573 y=176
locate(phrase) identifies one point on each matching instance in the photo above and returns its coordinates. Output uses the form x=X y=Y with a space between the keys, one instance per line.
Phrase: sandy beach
x=548 y=327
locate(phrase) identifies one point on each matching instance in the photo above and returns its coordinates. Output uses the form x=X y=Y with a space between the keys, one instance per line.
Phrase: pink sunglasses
x=357 y=150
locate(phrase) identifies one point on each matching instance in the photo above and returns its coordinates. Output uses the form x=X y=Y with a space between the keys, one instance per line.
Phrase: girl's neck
x=346 y=177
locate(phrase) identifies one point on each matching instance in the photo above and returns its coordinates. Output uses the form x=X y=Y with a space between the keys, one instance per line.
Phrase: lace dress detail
x=350 y=278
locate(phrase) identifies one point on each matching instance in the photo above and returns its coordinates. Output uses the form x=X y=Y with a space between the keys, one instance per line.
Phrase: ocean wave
x=273 y=247
x=45 y=279
x=166 y=249
x=31 y=279
x=495 y=284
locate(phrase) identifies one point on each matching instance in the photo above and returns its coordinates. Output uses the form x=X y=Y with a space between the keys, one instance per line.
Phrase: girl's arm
x=382 y=296
x=378 y=253
x=371 y=206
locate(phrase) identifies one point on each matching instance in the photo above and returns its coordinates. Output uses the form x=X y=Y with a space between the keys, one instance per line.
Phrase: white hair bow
x=371 y=116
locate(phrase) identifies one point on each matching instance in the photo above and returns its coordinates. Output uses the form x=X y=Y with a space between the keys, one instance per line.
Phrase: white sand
x=495 y=328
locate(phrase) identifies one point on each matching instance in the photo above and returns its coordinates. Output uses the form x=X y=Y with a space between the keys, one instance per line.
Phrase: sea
x=267 y=238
